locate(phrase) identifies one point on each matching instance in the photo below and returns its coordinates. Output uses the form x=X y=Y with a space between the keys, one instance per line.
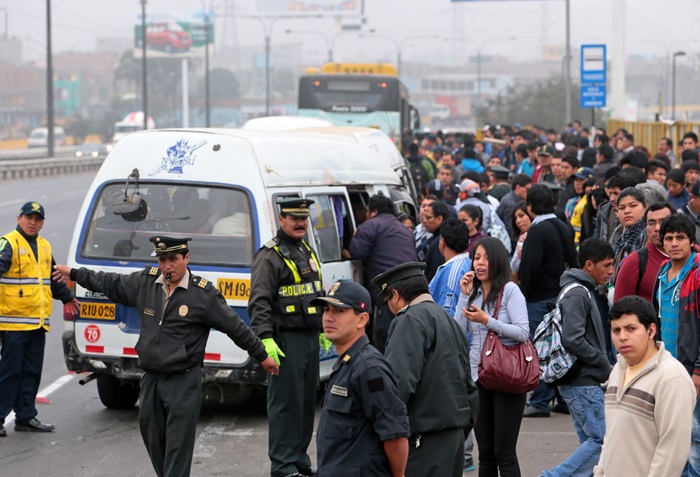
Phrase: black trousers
x=380 y=327
x=168 y=415
x=21 y=362
x=291 y=402
x=440 y=454
x=497 y=429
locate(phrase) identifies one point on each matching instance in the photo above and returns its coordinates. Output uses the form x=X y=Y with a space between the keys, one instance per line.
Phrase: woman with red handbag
x=495 y=308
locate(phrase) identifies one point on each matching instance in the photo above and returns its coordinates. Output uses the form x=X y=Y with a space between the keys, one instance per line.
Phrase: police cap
x=499 y=172
x=399 y=272
x=347 y=294
x=295 y=206
x=546 y=150
x=32 y=208
x=169 y=245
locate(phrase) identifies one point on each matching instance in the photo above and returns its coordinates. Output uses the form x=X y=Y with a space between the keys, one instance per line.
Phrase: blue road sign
x=593 y=64
x=593 y=95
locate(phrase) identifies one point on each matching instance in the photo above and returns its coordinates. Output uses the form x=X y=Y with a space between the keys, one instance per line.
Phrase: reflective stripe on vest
x=25 y=298
x=293 y=266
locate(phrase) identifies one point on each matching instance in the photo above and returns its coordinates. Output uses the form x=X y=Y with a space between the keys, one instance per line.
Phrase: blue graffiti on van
x=179 y=155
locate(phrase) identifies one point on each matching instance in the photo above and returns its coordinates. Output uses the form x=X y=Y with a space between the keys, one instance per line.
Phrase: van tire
x=116 y=394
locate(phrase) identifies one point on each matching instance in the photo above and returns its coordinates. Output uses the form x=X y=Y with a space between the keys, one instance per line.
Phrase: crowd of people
x=584 y=223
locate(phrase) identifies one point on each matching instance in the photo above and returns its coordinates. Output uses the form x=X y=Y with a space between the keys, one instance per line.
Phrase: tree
x=541 y=103
x=223 y=87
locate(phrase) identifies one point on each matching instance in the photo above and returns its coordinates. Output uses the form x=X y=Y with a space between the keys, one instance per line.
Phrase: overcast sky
x=651 y=26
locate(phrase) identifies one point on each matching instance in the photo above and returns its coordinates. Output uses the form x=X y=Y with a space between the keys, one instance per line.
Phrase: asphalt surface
x=91 y=440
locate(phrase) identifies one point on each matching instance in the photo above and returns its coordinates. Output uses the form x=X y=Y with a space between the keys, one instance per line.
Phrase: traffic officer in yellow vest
x=26 y=291
x=285 y=278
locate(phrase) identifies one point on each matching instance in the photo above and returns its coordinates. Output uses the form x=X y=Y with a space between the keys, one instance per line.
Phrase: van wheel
x=116 y=394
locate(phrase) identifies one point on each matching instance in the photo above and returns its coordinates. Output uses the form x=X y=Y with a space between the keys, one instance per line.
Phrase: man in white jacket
x=649 y=401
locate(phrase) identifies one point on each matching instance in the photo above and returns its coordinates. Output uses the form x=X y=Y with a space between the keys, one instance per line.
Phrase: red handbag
x=510 y=369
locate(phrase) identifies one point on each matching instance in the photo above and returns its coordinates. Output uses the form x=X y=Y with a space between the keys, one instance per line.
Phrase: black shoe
x=534 y=412
x=560 y=408
x=3 y=431
x=34 y=425
x=310 y=473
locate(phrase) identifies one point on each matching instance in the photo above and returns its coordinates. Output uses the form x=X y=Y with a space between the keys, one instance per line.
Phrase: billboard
x=309 y=7
x=180 y=35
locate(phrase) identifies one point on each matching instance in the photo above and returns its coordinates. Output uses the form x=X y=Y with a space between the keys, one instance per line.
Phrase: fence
x=648 y=134
x=26 y=168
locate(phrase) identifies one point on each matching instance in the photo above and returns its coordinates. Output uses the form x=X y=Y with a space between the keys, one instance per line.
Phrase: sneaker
x=531 y=411
x=469 y=465
x=3 y=431
x=34 y=425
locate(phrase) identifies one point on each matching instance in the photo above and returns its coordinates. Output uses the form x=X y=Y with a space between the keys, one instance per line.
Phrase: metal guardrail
x=36 y=153
x=27 y=168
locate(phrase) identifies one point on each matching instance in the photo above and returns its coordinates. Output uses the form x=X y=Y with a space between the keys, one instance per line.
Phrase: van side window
x=327 y=218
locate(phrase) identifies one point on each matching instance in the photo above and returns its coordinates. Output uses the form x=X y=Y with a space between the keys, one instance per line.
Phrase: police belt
x=300 y=289
x=160 y=375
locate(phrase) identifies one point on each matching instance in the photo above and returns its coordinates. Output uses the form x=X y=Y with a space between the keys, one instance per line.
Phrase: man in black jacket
x=382 y=242
x=583 y=336
x=177 y=310
x=429 y=355
x=548 y=250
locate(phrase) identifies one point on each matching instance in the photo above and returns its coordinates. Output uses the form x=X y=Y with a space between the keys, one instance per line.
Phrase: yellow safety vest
x=299 y=289
x=25 y=289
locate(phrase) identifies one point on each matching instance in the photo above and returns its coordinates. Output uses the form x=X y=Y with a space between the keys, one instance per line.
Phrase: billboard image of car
x=169 y=35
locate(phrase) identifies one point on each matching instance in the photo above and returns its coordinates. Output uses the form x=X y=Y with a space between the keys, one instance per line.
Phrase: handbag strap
x=498 y=304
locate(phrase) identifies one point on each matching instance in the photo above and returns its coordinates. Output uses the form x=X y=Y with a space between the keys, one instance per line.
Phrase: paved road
x=93 y=441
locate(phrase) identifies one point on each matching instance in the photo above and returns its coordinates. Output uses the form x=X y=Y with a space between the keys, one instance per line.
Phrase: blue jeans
x=541 y=397
x=587 y=408
x=692 y=468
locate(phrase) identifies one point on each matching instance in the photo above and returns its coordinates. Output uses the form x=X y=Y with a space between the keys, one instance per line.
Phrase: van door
x=332 y=225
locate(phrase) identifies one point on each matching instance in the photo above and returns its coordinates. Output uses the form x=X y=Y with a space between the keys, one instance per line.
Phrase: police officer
x=428 y=353
x=177 y=310
x=26 y=292
x=285 y=278
x=363 y=427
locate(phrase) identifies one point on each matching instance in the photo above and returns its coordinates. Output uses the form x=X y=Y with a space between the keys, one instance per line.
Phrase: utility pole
x=143 y=65
x=49 y=82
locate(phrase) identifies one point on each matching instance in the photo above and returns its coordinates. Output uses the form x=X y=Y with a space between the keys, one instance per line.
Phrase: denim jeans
x=541 y=397
x=587 y=408
x=692 y=468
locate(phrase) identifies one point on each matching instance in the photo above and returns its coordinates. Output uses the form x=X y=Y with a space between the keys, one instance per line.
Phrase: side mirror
x=132 y=208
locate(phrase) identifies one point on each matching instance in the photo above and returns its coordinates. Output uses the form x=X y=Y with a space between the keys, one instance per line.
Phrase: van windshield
x=218 y=220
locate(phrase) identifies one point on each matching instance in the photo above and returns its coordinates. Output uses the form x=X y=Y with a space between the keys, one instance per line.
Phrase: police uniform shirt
x=361 y=409
x=173 y=332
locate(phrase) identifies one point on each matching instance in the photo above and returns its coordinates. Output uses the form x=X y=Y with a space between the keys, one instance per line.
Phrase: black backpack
x=419 y=175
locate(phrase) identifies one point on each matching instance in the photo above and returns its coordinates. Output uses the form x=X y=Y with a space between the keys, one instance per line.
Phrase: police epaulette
x=271 y=243
x=202 y=283
x=151 y=271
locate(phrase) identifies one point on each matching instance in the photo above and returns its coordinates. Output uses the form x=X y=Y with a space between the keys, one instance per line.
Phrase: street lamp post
x=479 y=48
x=143 y=65
x=673 y=80
x=318 y=33
x=49 y=82
x=400 y=45
x=207 y=39
x=267 y=30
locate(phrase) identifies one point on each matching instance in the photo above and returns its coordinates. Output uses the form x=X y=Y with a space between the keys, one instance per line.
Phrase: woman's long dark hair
x=499 y=270
x=523 y=208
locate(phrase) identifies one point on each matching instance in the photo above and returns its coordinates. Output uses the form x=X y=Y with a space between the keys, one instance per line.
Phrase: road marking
x=12 y=202
x=211 y=435
x=44 y=393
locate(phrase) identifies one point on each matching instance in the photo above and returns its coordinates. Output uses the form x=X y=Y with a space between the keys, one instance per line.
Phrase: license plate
x=98 y=311
x=234 y=289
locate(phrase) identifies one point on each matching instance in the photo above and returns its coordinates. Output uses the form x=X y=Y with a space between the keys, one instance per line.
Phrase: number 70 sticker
x=92 y=333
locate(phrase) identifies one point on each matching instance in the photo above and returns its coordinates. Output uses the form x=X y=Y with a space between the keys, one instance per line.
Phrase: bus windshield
x=217 y=219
